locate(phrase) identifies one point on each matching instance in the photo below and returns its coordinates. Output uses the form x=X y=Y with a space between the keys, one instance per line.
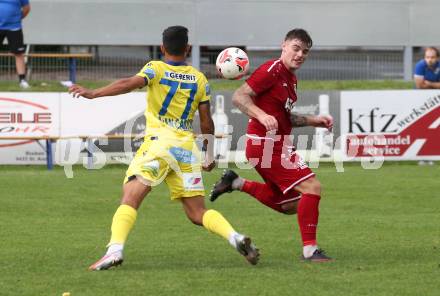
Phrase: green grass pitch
x=382 y=227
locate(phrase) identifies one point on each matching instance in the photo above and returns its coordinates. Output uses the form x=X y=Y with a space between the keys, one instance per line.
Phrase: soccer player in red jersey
x=268 y=97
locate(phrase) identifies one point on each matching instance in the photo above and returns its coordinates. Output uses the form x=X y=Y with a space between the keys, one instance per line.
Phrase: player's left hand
x=208 y=164
x=324 y=121
x=78 y=91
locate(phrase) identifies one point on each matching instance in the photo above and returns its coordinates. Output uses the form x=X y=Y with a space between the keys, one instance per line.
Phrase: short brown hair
x=299 y=34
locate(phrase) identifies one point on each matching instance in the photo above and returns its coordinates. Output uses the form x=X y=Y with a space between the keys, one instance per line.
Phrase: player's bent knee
x=134 y=193
x=290 y=208
x=310 y=186
x=316 y=187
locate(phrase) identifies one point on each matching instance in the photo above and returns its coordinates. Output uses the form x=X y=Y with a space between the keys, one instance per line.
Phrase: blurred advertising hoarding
x=396 y=125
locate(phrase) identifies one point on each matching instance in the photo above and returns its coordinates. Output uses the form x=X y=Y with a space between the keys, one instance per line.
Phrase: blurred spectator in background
x=427 y=70
x=427 y=76
x=11 y=14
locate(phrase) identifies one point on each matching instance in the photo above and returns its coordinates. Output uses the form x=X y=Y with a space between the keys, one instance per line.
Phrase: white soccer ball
x=232 y=63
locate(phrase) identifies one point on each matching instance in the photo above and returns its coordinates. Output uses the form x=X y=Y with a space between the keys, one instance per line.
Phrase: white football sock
x=114 y=248
x=234 y=237
x=237 y=184
x=309 y=250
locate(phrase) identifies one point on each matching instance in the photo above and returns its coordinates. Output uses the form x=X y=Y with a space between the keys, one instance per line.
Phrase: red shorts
x=280 y=167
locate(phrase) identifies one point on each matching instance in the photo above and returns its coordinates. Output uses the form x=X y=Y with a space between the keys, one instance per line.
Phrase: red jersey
x=275 y=87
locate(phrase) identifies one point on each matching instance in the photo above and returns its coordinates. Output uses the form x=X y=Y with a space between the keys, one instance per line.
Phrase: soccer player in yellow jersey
x=174 y=92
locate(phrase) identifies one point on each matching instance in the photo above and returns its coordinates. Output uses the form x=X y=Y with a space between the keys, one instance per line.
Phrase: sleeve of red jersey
x=263 y=78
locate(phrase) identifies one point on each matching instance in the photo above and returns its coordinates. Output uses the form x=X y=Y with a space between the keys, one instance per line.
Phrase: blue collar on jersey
x=172 y=63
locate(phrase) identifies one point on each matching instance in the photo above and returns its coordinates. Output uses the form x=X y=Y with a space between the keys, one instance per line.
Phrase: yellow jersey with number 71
x=174 y=93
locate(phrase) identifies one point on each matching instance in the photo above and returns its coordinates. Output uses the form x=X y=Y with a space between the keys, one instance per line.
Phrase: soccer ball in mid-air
x=232 y=63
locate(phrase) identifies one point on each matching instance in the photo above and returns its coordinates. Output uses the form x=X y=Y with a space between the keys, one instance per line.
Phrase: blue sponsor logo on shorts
x=183 y=155
x=150 y=73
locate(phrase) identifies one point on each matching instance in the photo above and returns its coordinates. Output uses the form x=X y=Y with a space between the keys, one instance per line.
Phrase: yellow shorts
x=175 y=161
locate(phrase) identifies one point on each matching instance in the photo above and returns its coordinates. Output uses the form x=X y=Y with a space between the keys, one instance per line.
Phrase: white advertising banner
x=27 y=114
x=396 y=125
x=99 y=116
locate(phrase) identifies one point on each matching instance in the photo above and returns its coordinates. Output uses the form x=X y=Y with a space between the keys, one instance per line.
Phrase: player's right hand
x=78 y=91
x=325 y=121
x=269 y=122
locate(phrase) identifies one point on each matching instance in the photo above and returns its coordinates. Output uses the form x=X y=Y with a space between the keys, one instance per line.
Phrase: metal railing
x=321 y=65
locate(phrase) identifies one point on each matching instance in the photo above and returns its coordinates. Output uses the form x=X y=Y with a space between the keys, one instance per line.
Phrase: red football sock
x=308 y=213
x=262 y=192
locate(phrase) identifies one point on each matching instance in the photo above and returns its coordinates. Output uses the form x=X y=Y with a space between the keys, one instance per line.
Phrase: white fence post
x=324 y=138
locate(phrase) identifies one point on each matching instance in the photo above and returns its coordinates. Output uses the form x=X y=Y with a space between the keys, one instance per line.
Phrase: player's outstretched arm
x=119 y=87
x=242 y=99
x=207 y=128
x=299 y=120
